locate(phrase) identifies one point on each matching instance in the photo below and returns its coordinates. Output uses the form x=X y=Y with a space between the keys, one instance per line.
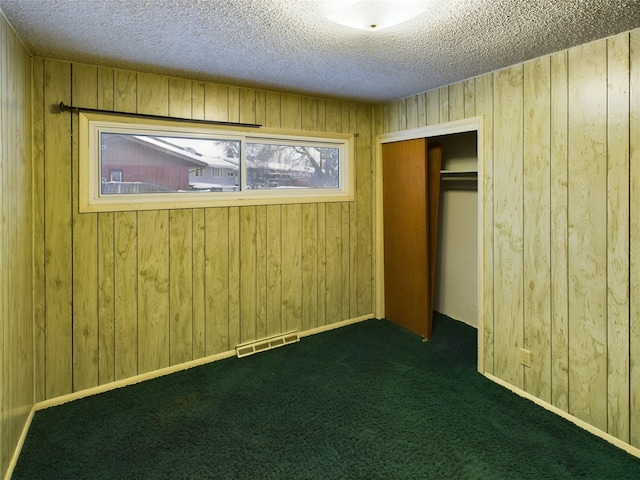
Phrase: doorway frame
x=474 y=124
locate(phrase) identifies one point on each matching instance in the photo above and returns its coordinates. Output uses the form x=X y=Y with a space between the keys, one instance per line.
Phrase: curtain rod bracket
x=70 y=108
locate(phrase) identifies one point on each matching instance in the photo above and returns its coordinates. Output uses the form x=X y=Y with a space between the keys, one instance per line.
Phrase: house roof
x=156 y=144
x=169 y=149
x=288 y=45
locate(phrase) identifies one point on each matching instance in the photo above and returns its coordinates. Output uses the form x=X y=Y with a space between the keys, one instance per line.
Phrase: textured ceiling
x=288 y=45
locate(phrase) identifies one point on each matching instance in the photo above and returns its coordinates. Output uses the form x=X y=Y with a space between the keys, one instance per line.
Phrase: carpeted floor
x=366 y=401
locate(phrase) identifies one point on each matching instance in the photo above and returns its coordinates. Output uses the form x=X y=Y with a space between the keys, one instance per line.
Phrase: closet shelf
x=468 y=175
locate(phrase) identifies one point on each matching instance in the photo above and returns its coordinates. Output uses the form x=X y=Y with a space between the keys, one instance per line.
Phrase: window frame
x=89 y=175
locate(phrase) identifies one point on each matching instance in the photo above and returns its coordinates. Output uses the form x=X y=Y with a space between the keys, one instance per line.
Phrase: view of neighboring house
x=219 y=175
x=145 y=164
x=154 y=164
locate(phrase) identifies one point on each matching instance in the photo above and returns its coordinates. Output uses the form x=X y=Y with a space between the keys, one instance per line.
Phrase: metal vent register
x=269 y=343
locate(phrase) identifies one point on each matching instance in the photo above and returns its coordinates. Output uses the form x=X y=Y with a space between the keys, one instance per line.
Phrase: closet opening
x=456 y=279
x=457 y=286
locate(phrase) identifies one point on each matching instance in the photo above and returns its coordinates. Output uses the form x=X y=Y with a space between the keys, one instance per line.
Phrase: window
x=126 y=165
x=115 y=176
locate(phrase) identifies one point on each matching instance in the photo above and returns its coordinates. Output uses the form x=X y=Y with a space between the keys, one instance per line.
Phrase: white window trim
x=89 y=175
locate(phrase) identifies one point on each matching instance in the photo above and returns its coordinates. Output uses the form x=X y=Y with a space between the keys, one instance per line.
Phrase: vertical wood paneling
x=537 y=262
x=217 y=280
x=321 y=123
x=484 y=107
x=179 y=101
x=291 y=267
x=58 y=232
x=272 y=110
x=382 y=117
x=153 y=290
x=309 y=266
x=199 y=283
x=470 y=98
x=587 y=214
x=333 y=116
x=234 y=104
x=4 y=417
x=309 y=114
x=153 y=251
x=352 y=311
x=261 y=107
x=106 y=299
x=106 y=256
x=125 y=236
x=291 y=113
x=364 y=225
x=333 y=268
x=125 y=91
x=634 y=238
x=345 y=126
x=105 y=88
x=181 y=318
x=4 y=420
x=444 y=104
x=247 y=98
x=393 y=112
x=261 y=272
x=85 y=238
x=216 y=102
x=559 y=232
x=403 y=107
x=39 y=255
x=345 y=264
x=274 y=269
x=433 y=107
x=126 y=294
x=456 y=101
x=152 y=94
x=322 y=265
x=422 y=110
x=197 y=100
x=617 y=315
x=248 y=274
x=507 y=212
x=234 y=277
x=16 y=281
x=197 y=103
x=412 y=108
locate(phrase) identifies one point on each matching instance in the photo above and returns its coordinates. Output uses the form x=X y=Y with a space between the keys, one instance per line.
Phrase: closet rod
x=69 y=108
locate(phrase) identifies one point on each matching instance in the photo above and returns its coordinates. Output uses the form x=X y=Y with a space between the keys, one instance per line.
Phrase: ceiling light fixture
x=372 y=14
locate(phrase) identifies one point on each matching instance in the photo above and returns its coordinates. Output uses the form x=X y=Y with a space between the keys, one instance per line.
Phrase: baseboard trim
x=333 y=326
x=131 y=380
x=175 y=368
x=567 y=416
x=18 y=449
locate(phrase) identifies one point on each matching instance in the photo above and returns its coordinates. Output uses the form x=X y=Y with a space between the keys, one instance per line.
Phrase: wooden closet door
x=410 y=209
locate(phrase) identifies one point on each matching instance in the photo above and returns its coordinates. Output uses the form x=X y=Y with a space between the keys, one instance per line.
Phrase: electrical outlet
x=525 y=357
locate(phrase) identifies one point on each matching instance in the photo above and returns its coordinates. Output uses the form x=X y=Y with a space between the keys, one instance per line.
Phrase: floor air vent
x=245 y=349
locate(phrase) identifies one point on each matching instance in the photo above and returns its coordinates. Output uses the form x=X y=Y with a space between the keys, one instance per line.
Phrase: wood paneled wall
x=125 y=293
x=561 y=232
x=16 y=326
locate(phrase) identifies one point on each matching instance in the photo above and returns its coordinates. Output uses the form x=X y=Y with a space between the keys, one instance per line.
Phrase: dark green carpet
x=366 y=401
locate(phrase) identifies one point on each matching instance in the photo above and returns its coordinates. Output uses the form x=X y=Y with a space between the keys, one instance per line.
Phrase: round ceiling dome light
x=372 y=14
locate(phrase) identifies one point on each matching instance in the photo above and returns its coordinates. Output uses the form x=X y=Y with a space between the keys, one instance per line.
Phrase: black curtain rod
x=69 y=108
